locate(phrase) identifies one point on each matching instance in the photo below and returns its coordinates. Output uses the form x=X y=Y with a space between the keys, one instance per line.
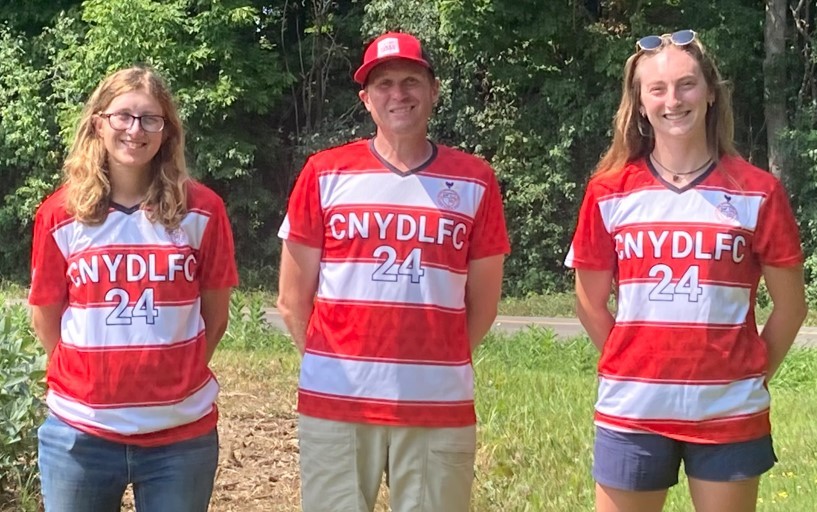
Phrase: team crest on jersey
x=726 y=211
x=448 y=197
x=177 y=236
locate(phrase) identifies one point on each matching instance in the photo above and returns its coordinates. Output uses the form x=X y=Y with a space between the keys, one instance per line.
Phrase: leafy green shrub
x=22 y=385
x=248 y=330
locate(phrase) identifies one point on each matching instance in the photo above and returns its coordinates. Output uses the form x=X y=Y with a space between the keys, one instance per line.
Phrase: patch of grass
x=535 y=400
x=10 y=290
x=556 y=304
x=535 y=404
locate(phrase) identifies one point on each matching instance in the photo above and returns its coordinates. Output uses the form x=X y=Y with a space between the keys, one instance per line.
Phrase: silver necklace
x=676 y=176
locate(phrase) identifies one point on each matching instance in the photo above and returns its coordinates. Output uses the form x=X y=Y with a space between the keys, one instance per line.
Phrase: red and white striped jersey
x=684 y=358
x=387 y=341
x=130 y=365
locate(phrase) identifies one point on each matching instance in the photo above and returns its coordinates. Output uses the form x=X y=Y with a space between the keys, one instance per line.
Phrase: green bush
x=248 y=330
x=22 y=385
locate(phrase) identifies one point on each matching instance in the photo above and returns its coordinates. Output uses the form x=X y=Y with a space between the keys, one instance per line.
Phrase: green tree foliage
x=227 y=80
x=800 y=141
x=531 y=86
x=30 y=151
x=31 y=16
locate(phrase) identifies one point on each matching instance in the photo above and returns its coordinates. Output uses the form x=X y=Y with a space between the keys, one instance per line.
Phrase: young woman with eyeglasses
x=684 y=228
x=132 y=267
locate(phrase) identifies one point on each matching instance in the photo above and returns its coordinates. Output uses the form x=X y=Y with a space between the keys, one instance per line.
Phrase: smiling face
x=132 y=149
x=400 y=95
x=674 y=93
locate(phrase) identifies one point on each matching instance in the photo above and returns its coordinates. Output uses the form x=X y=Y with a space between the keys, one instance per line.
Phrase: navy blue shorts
x=650 y=462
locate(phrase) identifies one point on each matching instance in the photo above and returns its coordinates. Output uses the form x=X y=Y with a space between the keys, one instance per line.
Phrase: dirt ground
x=258 y=467
x=258 y=461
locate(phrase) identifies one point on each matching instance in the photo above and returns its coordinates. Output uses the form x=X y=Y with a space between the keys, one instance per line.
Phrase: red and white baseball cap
x=389 y=46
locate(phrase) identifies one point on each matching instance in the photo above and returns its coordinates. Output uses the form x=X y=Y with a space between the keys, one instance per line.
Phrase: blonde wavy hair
x=85 y=169
x=634 y=138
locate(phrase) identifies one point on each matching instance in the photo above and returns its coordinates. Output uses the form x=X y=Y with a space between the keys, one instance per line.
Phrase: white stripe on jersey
x=681 y=402
x=174 y=324
x=364 y=282
x=709 y=304
x=129 y=420
x=698 y=206
x=379 y=381
x=123 y=229
x=389 y=189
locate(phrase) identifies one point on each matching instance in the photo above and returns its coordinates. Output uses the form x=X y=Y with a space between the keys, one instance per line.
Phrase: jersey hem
x=159 y=438
x=586 y=265
x=692 y=433
x=292 y=237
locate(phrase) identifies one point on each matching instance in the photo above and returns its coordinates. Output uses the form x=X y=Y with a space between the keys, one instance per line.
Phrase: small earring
x=644 y=132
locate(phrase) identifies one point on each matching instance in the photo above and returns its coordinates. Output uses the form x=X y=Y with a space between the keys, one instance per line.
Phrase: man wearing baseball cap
x=391 y=271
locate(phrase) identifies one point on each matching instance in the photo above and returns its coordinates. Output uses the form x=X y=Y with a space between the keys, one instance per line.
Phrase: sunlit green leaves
x=22 y=374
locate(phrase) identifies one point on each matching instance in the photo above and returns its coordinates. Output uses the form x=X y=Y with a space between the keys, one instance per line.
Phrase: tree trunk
x=775 y=82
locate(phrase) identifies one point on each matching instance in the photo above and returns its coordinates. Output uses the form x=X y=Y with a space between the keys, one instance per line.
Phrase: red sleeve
x=489 y=236
x=49 y=284
x=304 y=220
x=217 y=252
x=593 y=247
x=777 y=239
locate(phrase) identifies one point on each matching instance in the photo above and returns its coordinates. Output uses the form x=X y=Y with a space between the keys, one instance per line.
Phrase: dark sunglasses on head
x=679 y=38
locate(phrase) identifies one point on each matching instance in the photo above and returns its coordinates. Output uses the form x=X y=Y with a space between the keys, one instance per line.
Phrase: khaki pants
x=427 y=469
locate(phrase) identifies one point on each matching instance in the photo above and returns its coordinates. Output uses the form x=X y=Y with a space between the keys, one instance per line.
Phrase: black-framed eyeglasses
x=121 y=121
x=679 y=38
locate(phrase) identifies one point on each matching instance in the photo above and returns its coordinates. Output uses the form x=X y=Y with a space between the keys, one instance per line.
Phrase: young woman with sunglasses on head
x=132 y=266
x=684 y=228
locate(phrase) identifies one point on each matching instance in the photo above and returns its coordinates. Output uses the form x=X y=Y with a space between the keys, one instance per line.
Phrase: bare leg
x=740 y=496
x=609 y=499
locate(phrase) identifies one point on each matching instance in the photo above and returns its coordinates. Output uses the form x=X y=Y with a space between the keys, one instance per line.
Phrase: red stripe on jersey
x=401 y=305
x=381 y=412
x=144 y=376
x=360 y=233
x=733 y=429
x=170 y=271
x=683 y=354
x=161 y=438
x=356 y=331
x=715 y=250
x=387 y=360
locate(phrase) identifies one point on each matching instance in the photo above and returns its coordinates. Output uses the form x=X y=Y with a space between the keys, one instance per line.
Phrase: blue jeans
x=82 y=472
